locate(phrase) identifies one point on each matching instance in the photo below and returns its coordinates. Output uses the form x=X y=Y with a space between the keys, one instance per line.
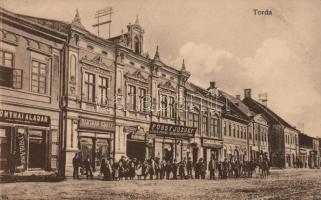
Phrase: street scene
x=160 y=100
x=298 y=184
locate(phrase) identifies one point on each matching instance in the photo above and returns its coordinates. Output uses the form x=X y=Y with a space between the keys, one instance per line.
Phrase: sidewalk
x=31 y=176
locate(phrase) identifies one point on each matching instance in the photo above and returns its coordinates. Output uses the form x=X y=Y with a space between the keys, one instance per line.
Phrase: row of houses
x=65 y=90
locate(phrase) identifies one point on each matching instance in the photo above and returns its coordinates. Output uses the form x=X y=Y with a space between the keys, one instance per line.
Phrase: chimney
x=247 y=93
x=238 y=97
x=212 y=84
x=263 y=97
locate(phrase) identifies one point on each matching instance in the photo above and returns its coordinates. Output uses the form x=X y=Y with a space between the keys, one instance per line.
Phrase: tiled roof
x=261 y=109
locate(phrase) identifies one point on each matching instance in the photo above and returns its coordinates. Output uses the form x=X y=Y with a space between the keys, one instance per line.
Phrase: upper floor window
x=39 y=76
x=238 y=131
x=224 y=127
x=104 y=90
x=89 y=87
x=204 y=127
x=193 y=120
x=164 y=105
x=241 y=132
x=233 y=130
x=132 y=97
x=229 y=130
x=6 y=58
x=171 y=107
x=142 y=100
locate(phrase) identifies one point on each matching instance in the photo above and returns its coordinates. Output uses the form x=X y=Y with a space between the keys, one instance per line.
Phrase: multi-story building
x=30 y=60
x=256 y=130
x=203 y=111
x=236 y=131
x=308 y=152
x=283 y=138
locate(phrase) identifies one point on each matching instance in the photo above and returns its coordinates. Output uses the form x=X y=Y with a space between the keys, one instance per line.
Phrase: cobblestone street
x=282 y=184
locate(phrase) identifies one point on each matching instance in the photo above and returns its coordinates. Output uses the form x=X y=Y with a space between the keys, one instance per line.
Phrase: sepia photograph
x=171 y=99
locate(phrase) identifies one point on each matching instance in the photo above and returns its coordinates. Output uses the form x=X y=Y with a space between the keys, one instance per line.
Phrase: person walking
x=189 y=167
x=211 y=167
x=181 y=169
x=174 y=169
x=168 y=169
x=202 y=168
x=103 y=169
x=76 y=164
x=139 y=170
x=87 y=166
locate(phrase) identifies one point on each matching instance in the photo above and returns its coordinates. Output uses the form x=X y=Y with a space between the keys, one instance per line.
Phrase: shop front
x=171 y=141
x=212 y=148
x=25 y=137
x=95 y=140
x=138 y=143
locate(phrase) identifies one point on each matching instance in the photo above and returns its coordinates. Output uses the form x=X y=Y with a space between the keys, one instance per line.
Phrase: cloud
x=274 y=68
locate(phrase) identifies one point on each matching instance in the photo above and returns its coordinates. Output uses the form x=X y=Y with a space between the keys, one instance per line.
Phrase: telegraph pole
x=106 y=12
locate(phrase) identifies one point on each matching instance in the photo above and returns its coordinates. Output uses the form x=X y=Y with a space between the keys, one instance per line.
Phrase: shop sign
x=212 y=143
x=24 y=118
x=94 y=124
x=170 y=130
x=21 y=149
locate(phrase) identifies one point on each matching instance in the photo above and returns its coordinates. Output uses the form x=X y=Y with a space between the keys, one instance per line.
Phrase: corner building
x=30 y=60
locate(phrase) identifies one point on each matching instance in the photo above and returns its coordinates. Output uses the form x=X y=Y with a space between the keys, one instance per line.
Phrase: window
x=245 y=133
x=6 y=58
x=132 y=97
x=229 y=130
x=39 y=75
x=17 y=78
x=194 y=120
x=238 y=131
x=216 y=128
x=164 y=105
x=142 y=100
x=212 y=127
x=234 y=130
x=250 y=136
x=241 y=132
x=204 y=127
x=89 y=87
x=103 y=89
x=171 y=107
x=224 y=128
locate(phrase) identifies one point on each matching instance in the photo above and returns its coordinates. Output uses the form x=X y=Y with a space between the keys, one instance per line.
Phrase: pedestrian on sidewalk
x=76 y=164
x=87 y=166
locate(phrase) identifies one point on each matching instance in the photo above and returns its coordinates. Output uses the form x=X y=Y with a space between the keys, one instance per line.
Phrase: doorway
x=195 y=154
x=136 y=149
x=37 y=149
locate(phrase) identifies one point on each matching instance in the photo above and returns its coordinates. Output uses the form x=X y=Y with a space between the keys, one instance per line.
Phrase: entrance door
x=102 y=152
x=37 y=149
x=86 y=147
x=4 y=149
x=195 y=155
x=136 y=149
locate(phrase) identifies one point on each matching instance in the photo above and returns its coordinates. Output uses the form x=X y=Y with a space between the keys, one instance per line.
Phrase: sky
x=222 y=41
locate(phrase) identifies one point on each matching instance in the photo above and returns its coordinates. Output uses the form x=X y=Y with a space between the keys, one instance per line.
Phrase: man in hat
x=189 y=167
x=211 y=168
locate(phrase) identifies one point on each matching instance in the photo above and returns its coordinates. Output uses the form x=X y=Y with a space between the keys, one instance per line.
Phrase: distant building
x=236 y=130
x=309 y=151
x=283 y=138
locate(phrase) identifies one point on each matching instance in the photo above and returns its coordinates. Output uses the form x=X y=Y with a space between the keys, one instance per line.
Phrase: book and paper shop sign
x=212 y=143
x=93 y=124
x=169 y=130
x=24 y=118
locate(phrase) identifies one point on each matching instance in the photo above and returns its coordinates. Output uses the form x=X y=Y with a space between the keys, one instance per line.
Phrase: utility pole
x=102 y=13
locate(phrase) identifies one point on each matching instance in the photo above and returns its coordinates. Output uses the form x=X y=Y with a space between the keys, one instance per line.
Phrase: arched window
x=136 y=44
x=72 y=67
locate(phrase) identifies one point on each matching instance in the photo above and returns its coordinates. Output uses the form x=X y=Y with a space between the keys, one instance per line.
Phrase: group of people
x=155 y=168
